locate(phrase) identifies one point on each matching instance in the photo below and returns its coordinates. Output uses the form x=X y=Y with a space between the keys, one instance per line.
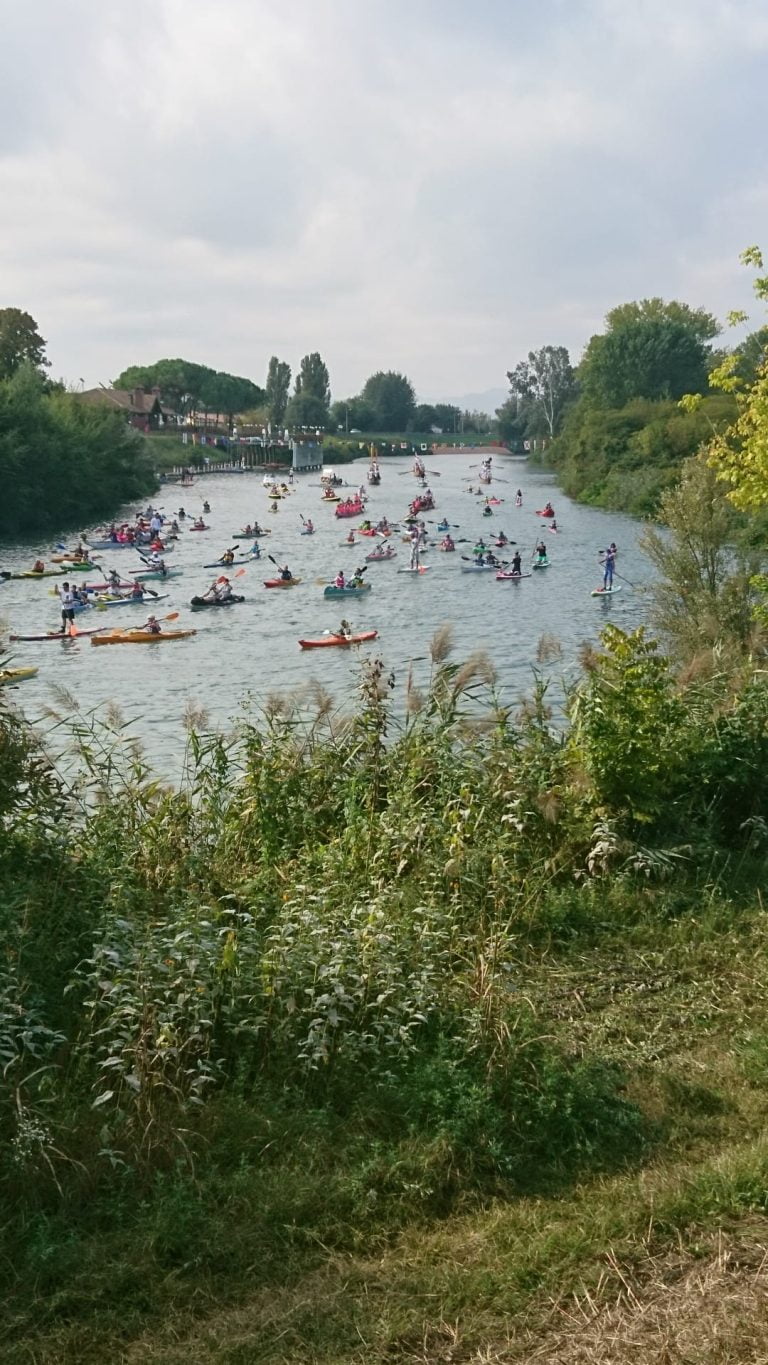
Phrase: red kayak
x=327 y=641
x=281 y=582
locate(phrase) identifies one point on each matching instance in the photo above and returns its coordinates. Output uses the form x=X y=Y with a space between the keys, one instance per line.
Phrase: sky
x=431 y=186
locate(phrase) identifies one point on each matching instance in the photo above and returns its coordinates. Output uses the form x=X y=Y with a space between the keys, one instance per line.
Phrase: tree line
x=613 y=425
x=62 y=463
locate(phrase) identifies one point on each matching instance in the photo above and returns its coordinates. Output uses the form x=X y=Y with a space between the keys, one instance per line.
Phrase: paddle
x=622 y=576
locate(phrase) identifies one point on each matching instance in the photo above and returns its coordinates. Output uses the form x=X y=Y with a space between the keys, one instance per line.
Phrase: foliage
x=540 y=390
x=20 y=342
x=186 y=386
x=627 y=457
x=740 y=453
x=63 y=463
x=358 y=973
x=278 y=386
x=653 y=352
x=703 y=597
x=311 y=400
x=392 y=398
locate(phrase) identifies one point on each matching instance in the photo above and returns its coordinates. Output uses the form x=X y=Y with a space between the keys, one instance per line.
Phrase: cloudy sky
x=435 y=186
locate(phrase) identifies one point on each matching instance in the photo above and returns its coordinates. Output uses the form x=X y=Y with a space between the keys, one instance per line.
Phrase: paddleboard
x=606 y=592
x=421 y=569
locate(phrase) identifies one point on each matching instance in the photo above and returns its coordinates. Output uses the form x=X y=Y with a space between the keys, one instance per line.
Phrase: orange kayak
x=139 y=637
x=327 y=641
x=281 y=582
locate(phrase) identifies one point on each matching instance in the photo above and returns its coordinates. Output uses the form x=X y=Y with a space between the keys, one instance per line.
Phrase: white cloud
x=432 y=186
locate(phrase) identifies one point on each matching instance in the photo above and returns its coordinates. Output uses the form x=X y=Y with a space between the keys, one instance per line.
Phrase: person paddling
x=541 y=551
x=608 y=562
x=285 y=574
x=152 y=626
x=66 y=597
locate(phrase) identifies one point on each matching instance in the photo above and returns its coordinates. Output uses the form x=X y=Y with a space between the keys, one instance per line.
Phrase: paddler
x=519 y=498
x=351 y=538
x=285 y=574
x=549 y=511
x=67 y=607
x=223 y=590
x=273 y=507
x=198 y=525
x=357 y=579
x=340 y=581
x=517 y=563
x=345 y=630
x=608 y=562
x=228 y=557
x=309 y=526
x=448 y=542
x=137 y=592
x=487 y=511
x=113 y=580
x=206 y=507
x=152 y=626
x=38 y=566
x=541 y=551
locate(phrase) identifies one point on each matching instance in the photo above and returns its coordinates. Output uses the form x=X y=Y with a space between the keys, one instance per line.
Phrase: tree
x=278 y=387
x=740 y=454
x=353 y=414
x=311 y=399
x=393 y=399
x=703 y=596
x=650 y=349
x=180 y=382
x=542 y=387
x=228 y=393
x=20 y=342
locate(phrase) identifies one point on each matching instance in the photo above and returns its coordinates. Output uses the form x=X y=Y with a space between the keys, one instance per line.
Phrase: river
x=246 y=652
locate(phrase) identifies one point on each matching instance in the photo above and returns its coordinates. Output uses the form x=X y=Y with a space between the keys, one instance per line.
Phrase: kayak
x=370 y=531
x=101 y=603
x=479 y=568
x=495 y=502
x=143 y=574
x=139 y=637
x=224 y=564
x=252 y=535
x=333 y=591
x=198 y=603
x=307 y=531
x=442 y=527
x=540 y=564
x=198 y=528
x=79 y=566
x=376 y=555
x=30 y=573
x=602 y=592
x=57 y=635
x=447 y=549
x=281 y=582
x=547 y=513
x=503 y=577
x=330 y=497
x=327 y=641
x=14 y=675
x=114 y=544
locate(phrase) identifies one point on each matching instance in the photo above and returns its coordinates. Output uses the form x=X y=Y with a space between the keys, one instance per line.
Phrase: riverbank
x=385 y=1041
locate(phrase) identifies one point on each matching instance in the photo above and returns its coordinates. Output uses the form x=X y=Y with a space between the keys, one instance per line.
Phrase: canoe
x=479 y=568
x=101 y=603
x=29 y=573
x=333 y=591
x=281 y=582
x=143 y=574
x=252 y=535
x=350 y=511
x=503 y=577
x=373 y=557
x=14 y=675
x=199 y=528
x=139 y=637
x=223 y=564
x=540 y=564
x=57 y=635
x=113 y=544
x=328 y=641
x=198 y=603
x=598 y=592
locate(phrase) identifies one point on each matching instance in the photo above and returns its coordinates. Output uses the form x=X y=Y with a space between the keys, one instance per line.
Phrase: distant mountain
x=488 y=401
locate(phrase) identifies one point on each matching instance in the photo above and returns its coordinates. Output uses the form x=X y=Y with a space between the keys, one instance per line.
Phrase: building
x=143 y=410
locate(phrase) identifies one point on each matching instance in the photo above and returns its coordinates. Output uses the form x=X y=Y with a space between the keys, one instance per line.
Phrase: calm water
x=252 y=648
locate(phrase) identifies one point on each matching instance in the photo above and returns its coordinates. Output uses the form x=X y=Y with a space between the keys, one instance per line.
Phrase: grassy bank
x=371 y=1044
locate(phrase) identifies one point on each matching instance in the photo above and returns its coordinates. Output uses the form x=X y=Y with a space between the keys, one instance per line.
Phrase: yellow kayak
x=14 y=675
x=139 y=637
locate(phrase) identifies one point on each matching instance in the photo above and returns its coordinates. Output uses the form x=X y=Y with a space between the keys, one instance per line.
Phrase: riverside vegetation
x=374 y=1042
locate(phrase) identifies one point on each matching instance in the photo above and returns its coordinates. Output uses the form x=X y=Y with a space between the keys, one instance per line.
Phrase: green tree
x=229 y=394
x=650 y=349
x=703 y=596
x=353 y=414
x=540 y=388
x=278 y=388
x=393 y=399
x=311 y=399
x=180 y=382
x=20 y=342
